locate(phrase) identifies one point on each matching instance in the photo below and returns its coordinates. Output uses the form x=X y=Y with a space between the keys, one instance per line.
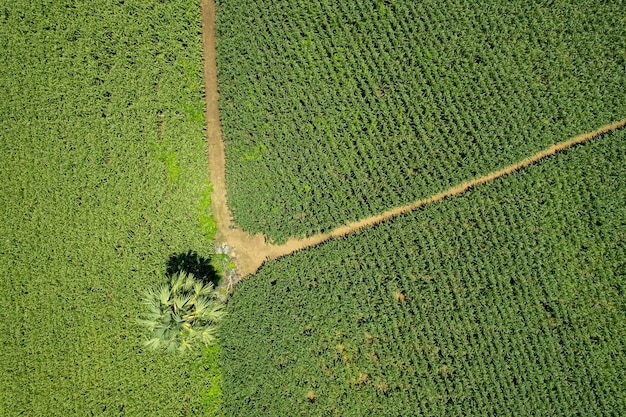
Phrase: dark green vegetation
x=508 y=300
x=102 y=182
x=333 y=111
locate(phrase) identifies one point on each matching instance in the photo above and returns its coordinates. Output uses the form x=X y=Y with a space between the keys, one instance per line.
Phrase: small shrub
x=182 y=315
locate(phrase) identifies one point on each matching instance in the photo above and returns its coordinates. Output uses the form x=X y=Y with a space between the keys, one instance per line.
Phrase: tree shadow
x=195 y=264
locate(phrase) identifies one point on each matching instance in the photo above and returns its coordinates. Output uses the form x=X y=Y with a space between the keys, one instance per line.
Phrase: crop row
x=333 y=111
x=507 y=300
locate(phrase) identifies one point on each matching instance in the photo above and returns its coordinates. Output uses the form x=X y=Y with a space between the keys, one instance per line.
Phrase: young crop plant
x=182 y=315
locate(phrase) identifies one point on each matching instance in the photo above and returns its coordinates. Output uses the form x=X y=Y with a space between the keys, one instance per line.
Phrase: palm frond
x=189 y=282
x=153 y=344
x=180 y=301
x=172 y=345
x=164 y=295
x=150 y=324
x=214 y=312
x=197 y=289
x=208 y=335
x=202 y=304
x=207 y=289
x=185 y=344
x=153 y=314
x=166 y=317
x=177 y=282
x=190 y=317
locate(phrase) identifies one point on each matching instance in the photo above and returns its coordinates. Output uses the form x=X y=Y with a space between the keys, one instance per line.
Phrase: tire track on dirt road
x=251 y=251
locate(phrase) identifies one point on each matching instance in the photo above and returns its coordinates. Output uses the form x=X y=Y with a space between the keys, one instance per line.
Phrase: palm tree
x=182 y=314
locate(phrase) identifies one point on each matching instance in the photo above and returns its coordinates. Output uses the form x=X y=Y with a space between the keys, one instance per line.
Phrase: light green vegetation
x=103 y=183
x=507 y=300
x=182 y=315
x=336 y=110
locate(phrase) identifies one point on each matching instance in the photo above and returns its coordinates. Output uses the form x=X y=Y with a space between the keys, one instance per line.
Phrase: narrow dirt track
x=250 y=252
x=292 y=245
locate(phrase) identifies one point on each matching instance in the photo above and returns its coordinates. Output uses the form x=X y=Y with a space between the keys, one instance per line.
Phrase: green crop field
x=334 y=111
x=508 y=300
x=103 y=188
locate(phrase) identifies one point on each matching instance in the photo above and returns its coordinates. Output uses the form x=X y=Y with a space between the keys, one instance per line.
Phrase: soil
x=250 y=251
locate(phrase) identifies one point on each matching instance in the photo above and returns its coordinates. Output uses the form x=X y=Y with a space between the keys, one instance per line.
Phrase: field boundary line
x=251 y=251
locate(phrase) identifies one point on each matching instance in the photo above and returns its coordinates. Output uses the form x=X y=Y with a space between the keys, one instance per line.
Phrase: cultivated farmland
x=508 y=300
x=334 y=111
x=103 y=188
